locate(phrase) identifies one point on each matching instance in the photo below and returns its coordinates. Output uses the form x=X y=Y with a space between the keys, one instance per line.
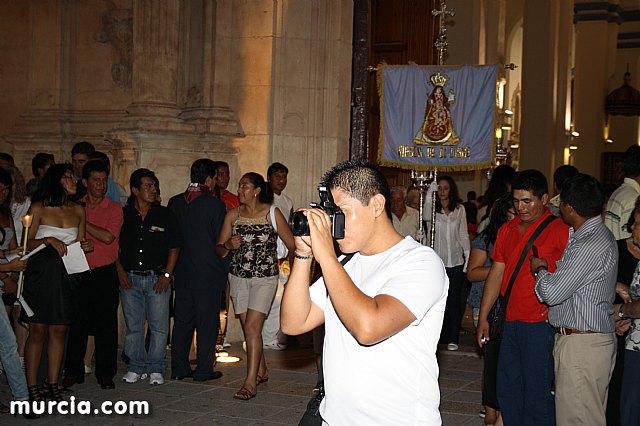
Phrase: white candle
x=26 y=223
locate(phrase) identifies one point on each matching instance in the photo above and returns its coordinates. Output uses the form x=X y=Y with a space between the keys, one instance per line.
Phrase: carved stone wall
x=159 y=83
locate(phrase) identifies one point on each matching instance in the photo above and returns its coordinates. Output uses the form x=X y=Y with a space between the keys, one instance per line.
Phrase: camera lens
x=299 y=224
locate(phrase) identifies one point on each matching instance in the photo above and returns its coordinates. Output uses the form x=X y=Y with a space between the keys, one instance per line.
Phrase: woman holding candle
x=9 y=245
x=55 y=222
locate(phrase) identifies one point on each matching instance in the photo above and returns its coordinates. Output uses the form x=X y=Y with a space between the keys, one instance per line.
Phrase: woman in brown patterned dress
x=249 y=236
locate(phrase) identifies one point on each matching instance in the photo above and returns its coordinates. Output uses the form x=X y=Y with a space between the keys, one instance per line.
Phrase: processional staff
x=422 y=179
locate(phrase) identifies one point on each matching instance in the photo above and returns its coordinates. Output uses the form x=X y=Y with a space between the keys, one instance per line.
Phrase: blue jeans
x=139 y=302
x=630 y=393
x=11 y=360
x=525 y=374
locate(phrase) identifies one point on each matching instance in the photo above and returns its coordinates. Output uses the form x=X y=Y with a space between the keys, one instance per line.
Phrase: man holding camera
x=382 y=319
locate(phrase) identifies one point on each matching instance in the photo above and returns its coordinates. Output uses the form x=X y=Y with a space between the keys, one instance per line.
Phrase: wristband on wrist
x=304 y=257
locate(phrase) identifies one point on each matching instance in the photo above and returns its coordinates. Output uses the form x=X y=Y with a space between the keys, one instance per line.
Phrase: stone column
x=155 y=49
x=545 y=69
x=595 y=45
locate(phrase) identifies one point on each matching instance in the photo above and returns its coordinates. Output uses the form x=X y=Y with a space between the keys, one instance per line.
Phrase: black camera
x=300 y=225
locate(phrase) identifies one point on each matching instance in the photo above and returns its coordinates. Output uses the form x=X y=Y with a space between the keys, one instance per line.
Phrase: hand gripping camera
x=300 y=225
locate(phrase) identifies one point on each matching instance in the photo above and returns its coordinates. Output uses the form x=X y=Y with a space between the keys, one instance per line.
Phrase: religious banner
x=440 y=117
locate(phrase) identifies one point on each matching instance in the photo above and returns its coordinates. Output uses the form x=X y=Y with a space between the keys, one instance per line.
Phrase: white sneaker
x=452 y=347
x=156 y=379
x=275 y=346
x=87 y=370
x=132 y=377
x=225 y=343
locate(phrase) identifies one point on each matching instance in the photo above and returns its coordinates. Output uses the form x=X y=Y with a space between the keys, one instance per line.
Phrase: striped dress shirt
x=581 y=291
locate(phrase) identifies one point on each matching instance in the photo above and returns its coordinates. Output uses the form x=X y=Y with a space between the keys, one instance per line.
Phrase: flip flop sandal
x=244 y=394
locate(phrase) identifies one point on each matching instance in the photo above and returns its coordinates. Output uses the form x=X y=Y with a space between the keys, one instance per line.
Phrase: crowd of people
x=552 y=280
x=148 y=258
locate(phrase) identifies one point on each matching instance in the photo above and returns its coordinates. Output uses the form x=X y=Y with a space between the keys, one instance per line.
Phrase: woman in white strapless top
x=49 y=290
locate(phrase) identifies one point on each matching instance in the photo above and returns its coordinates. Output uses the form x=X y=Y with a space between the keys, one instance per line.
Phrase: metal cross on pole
x=422 y=179
x=441 y=42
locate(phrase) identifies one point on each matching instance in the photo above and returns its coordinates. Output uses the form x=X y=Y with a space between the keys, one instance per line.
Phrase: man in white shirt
x=382 y=310
x=623 y=199
x=406 y=219
x=277 y=178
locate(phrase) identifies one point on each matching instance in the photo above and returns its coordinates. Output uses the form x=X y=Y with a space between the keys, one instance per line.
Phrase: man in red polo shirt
x=525 y=364
x=99 y=287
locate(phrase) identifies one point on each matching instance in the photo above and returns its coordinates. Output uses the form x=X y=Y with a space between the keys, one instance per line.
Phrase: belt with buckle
x=569 y=331
x=145 y=273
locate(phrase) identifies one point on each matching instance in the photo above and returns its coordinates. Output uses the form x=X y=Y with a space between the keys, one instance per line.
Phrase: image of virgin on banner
x=440 y=117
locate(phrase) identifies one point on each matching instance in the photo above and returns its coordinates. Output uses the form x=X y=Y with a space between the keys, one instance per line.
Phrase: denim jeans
x=139 y=302
x=11 y=360
x=525 y=374
x=630 y=394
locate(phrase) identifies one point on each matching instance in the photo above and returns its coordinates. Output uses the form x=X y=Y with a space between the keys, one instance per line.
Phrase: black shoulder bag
x=311 y=416
x=499 y=310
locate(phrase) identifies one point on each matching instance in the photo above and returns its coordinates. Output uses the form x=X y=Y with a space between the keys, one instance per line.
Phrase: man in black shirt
x=201 y=276
x=150 y=242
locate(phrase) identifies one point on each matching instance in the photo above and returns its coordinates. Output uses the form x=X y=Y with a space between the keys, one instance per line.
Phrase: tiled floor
x=281 y=400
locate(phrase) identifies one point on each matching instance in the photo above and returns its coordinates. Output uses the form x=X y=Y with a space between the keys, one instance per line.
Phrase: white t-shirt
x=284 y=203
x=394 y=381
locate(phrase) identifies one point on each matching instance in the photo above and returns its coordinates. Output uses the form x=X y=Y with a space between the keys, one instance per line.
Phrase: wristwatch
x=537 y=271
x=620 y=313
x=167 y=275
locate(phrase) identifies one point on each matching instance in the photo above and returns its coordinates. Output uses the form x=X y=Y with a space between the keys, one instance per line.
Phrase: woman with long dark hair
x=499 y=186
x=15 y=205
x=478 y=270
x=49 y=290
x=8 y=243
x=453 y=246
x=249 y=236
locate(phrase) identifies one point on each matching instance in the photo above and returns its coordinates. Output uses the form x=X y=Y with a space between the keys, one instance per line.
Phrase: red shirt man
x=99 y=288
x=525 y=362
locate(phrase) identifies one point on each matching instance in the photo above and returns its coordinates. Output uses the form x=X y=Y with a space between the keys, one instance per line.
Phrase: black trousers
x=97 y=316
x=453 y=311
x=195 y=310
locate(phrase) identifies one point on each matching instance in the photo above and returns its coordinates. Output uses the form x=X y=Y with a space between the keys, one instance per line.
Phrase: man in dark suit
x=200 y=275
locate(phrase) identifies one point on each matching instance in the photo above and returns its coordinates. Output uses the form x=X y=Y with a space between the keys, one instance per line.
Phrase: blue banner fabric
x=441 y=117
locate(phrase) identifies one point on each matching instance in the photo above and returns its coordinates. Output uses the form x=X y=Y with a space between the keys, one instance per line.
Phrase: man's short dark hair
x=563 y=173
x=7 y=157
x=99 y=155
x=221 y=164
x=631 y=161
x=135 y=181
x=360 y=180
x=632 y=216
x=471 y=195
x=531 y=180
x=203 y=168
x=40 y=161
x=277 y=167
x=84 y=147
x=94 y=166
x=584 y=193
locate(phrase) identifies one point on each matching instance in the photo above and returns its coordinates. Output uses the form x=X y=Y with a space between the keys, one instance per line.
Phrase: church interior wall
x=282 y=71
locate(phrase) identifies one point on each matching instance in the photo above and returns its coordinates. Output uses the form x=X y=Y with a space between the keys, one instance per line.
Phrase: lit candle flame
x=26 y=220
